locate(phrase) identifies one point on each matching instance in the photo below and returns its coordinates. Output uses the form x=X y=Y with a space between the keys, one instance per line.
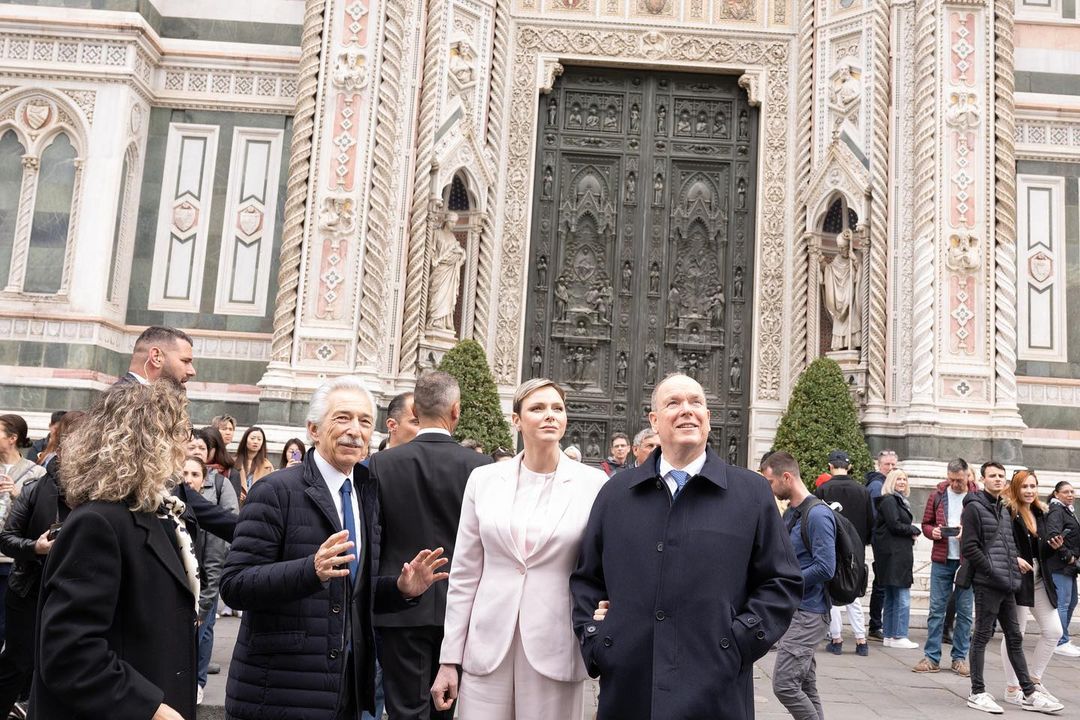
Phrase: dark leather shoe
x=876 y=635
x=213 y=669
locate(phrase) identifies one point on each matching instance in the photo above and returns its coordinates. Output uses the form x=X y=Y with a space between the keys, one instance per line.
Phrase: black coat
x=854 y=500
x=289 y=659
x=1059 y=521
x=38 y=506
x=987 y=543
x=700 y=588
x=894 y=541
x=1034 y=549
x=116 y=620
x=421 y=487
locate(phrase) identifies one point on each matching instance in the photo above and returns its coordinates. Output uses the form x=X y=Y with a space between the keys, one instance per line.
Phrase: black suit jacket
x=421 y=489
x=116 y=620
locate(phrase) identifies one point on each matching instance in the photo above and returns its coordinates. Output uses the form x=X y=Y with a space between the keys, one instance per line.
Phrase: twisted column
x=416 y=290
x=800 y=275
x=925 y=203
x=879 y=209
x=23 y=218
x=286 y=307
x=1005 y=210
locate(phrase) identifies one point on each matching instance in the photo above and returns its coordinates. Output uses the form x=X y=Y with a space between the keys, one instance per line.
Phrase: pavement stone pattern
x=852 y=687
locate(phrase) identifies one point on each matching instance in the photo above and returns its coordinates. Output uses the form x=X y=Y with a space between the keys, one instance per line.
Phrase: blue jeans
x=896 y=613
x=941 y=587
x=378 y=696
x=1065 y=585
x=206 y=644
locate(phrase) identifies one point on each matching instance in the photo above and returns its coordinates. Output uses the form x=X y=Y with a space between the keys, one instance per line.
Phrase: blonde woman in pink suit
x=509 y=645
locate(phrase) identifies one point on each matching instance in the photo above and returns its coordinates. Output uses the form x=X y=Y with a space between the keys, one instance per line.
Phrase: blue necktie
x=350 y=525
x=681 y=477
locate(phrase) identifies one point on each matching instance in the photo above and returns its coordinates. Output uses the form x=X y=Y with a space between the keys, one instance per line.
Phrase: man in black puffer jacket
x=988 y=548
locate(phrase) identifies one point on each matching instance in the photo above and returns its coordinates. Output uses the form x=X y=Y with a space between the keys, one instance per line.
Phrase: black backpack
x=848 y=583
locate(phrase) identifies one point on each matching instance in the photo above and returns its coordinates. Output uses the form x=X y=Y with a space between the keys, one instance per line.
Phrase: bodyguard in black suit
x=421 y=489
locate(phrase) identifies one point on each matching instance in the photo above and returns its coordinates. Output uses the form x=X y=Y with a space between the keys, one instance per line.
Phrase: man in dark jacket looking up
x=795 y=673
x=854 y=502
x=941 y=523
x=303 y=568
x=885 y=463
x=987 y=545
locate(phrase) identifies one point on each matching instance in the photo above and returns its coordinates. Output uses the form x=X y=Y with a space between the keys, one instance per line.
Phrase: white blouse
x=531 y=501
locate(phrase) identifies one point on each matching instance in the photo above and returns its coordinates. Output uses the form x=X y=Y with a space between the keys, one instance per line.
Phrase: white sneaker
x=1047 y=693
x=1037 y=702
x=984 y=701
x=904 y=644
x=1068 y=650
x=886 y=642
x=1015 y=697
x=199 y=696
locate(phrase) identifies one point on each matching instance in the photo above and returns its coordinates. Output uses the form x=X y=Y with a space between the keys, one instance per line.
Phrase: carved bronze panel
x=641 y=254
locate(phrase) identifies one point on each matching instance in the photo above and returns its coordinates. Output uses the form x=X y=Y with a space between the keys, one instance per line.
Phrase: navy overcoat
x=700 y=587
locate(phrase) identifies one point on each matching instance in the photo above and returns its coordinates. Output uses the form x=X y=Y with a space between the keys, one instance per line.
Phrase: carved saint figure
x=682 y=127
x=462 y=60
x=541 y=271
x=593 y=450
x=620 y=369
x=691 y=365
x=740 y=190
x=720 y=127
x=446 y=265
x=738 y=282
x=537 y=363
x=650 y=369
x=701 y=127
x=735 y=375
x=601 y=301
x=661 y=120
x=631 y=188
x=553 y=111
x=732 y=449
x=635 y=118
x=592 y=120
x=695 y=334
x=654 y=279
x=562 y=299
x=611 y=121
x=549 y=178
x=744 y=124
x=627 y=276
x=674 y=306
x=716 y=308
x=840 y=282
x=658 y=189
x=575 y=116
x=964 y=254
x=582 y=327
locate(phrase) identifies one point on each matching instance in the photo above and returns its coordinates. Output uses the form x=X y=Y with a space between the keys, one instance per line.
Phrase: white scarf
x=173 y=508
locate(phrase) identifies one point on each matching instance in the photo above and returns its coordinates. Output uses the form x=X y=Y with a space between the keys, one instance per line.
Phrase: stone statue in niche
x=627 y=276
x=740 y=191
x=592 y=120
x=541 y=271
x=682 y=126
x=631 y=188
x=562 y=299
x=654 y=279
x=635 y=118
x=658 y=189
x=447 y=259
x=575 y=116
x=716 y=307
x=553 y=111
x=620 y=369
x=701 y=127
x=744 y=124
x=691 y=365
x=661 y=120
x=611 y=121
x=462 y=62
x=735 y=375
x=650 y=369
x=732 y=450
x=337 y=216
x=720 y=126
x=964 y=254
x=582 y=328
x=674 y=306
x=846 y=86
x=549 y=179
x=575 y=438
x=593 y=450
x=738 y=283
x=840 y=283
x=537 y=363
x=695 y=334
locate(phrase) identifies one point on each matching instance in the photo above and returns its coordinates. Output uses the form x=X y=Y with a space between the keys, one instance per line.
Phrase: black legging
x=17 y=658
x=996 y=605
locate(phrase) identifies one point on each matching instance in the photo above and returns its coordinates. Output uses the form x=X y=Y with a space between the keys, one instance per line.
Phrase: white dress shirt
x=334 y=479
x=693 y=469
x=434 y=431
x=140 y=378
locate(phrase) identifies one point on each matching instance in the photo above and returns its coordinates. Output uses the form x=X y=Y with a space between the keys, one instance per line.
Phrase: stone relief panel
x=735 y=13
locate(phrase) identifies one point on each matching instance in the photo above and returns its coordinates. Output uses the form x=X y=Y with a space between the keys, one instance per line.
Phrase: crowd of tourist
x=433 y=575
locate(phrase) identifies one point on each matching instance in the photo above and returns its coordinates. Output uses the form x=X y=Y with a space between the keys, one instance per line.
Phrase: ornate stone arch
x=38 y=116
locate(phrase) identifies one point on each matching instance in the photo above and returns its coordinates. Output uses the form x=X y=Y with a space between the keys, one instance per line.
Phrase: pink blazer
x=493 y=588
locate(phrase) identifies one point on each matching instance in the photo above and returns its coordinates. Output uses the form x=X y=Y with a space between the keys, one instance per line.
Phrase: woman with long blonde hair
x=1037 y=596
x=894 y=557
x=120 y=590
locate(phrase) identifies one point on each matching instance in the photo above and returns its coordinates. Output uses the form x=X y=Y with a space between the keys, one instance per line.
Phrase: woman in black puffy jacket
x=1061 y=522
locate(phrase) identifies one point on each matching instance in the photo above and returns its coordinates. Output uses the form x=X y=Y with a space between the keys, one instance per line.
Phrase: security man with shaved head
x=695 y=569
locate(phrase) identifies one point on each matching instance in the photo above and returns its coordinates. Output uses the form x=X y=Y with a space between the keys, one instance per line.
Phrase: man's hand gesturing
x=420 y=574
x=329 y=562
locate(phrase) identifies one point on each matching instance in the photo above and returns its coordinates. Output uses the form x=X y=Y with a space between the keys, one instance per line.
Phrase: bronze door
x=641 y=248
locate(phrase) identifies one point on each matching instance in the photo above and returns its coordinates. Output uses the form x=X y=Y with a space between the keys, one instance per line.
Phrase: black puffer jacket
x=1034 y=549
x=987 y=543
x=1060 y=520
x=37 y=507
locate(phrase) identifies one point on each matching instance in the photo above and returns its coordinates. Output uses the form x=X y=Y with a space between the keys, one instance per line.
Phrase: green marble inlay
x=1051 y=417
x=1049 y=83
x=1068 y=9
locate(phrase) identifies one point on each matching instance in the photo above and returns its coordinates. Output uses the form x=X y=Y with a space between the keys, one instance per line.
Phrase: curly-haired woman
x=121 y=587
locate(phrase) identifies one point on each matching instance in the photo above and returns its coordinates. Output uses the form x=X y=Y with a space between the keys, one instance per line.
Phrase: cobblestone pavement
x=852 y=687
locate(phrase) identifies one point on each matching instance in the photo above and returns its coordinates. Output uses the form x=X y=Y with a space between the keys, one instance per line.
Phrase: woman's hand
x=601 y=610
x=1025 y=566
x=445 y=690
x=43 y=544
x=164 y=712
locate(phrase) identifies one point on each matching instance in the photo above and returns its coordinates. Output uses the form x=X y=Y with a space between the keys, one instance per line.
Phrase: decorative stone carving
x=463 y=63
x=846 y=87
x=963 y=112
x=550 y=70
x=446 y=261
x=964 y=253
x=350 y=71
x=840 y=280
x=338 y=216
x=750 y=82
x=537 y=363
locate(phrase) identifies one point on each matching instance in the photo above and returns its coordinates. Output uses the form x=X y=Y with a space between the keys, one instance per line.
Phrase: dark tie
x=349 y=523
x=681 y=477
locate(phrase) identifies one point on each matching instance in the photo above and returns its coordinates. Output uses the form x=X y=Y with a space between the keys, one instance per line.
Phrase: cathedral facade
x=599 y=191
